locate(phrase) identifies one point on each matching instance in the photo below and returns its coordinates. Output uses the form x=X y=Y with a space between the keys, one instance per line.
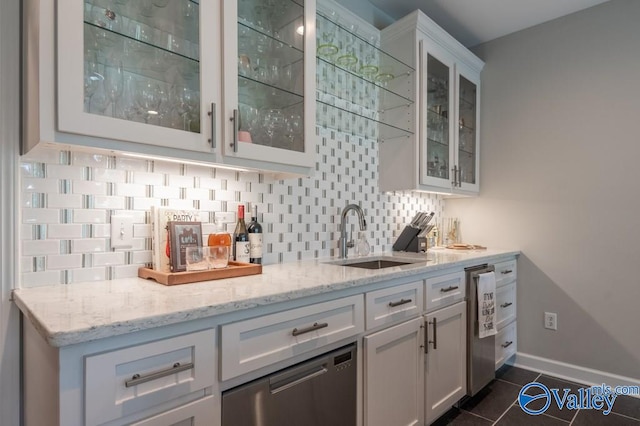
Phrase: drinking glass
x=272 y=123
x=293 y=128
x=92 y=76
x=113 y=84
x=148 y=98
x=326 y=35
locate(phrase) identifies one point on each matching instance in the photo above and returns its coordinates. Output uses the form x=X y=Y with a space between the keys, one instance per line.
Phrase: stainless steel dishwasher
x=481 y=353
x=317 y=392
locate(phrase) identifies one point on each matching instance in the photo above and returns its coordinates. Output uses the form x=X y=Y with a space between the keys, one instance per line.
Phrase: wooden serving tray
x=235 y=269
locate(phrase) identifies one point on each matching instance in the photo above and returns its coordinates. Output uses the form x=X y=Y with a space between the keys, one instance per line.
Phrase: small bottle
x=241 y=238
x=255 y=237
x=362 y=246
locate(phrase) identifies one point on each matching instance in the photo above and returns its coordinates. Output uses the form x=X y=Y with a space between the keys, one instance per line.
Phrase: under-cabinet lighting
x=195 y=163
x=152 y=112
x=300 y=30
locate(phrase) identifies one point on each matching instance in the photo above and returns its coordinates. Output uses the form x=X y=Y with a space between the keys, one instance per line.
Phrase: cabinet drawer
x=506 y=272
x=125 y=381
x=506 y=343
x=394 y=304
x=444 y=290
x=198 y=413
x=258 y=342
x=506 y=301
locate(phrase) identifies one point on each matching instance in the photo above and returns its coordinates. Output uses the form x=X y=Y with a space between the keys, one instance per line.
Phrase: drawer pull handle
x=506 y=305
x=400 y=302
x=507 y=344
x=448 y=289
x=435 y=333
x=314 y=327
x=507 y=271
x=176 y=368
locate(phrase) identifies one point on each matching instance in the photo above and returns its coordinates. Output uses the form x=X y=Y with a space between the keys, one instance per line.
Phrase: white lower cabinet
x=446 y=359
x=198 y=413
x=393 y=378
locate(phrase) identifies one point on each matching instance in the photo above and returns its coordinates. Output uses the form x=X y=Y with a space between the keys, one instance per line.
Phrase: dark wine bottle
x=241 y=238
x=255 y=237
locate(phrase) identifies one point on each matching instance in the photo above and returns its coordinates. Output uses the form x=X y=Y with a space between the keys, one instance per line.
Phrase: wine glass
x=113 y=84
x=92 y=77
x=148 y=98
x=293 y=128
x=272 y=122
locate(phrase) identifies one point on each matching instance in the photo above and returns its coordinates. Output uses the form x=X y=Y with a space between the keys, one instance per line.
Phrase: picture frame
x=181 y=236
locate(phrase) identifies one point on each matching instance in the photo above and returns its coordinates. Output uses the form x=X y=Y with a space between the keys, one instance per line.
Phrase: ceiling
x=476 y=21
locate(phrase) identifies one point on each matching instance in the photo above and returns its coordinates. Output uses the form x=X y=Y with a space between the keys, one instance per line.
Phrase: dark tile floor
x=497 y=404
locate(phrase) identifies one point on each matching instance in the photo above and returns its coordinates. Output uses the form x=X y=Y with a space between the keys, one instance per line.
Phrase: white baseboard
x=574 y=373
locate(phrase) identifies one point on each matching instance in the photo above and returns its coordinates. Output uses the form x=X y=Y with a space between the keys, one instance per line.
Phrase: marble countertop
x=77 y=313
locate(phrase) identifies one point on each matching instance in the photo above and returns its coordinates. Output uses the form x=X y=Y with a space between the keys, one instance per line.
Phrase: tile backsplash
x=68 y=198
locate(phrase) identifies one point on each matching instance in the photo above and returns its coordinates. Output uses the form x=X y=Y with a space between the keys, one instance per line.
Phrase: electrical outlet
x=551 y=320
x=121 y=231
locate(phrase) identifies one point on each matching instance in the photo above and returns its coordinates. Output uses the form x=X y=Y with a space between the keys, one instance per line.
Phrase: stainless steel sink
x=377 y=264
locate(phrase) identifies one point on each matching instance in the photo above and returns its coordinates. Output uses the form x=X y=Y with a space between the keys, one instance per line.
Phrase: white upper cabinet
x=147 y=77
x=269 y=83
x=442 y=155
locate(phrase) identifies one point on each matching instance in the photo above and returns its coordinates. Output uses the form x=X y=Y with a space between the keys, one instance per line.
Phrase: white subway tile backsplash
x=43 y=154
x=64 y=231
x=132 y=164
x=41 y=279
x=39 y=216
x=88 y=274
x=197 y=194
x=181 y=181
x=63 y=171
x=108 y=258
x=210 y=183
x=166 y=192
x=141 y=203
x=101 y=230
x=64 y=261
x=199 y=171
x=130 y=190
x=90 y=216
x=126 y=271
x=64 y=201
x=88 y=245
x=166 y=167
x=40 y=247
x=180 y=204
x=109 y=175
x=81 y=158
x=142 y=231
x=89 y=187
x=141 y=257
x=144 y=178
x=108 y=202
x=44 y=185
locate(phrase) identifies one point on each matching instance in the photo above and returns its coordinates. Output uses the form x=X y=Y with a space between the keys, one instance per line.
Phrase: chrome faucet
x=343 y=243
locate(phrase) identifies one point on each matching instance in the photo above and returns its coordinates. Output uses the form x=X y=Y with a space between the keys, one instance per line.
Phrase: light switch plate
x=121 y=231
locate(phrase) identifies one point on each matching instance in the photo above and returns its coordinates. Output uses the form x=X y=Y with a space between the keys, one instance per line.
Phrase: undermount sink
x=377 y=264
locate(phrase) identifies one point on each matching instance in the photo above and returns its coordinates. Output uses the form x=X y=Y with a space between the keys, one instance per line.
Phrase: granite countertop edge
x=78 y=313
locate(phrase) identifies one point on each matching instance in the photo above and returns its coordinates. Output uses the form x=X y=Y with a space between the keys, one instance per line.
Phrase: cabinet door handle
x=508 y=271
x=455 y=175
x=212 y=115
x=460 y=177
x=137 y=379
x=507 y=344
x=426 y=338
x=399 y=302
x=506 y=305
x=435 y=335
x=448 y=289
x=315 y=326
x=235 y=130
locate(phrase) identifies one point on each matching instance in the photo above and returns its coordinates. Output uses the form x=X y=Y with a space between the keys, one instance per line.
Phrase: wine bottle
x=241 y=238
x=255 y=237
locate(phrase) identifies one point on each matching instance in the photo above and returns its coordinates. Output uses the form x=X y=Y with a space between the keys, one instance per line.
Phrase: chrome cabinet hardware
x=507 y=344
x=236 y=126
x=137 y=379
x=435 y=335
x=448 y=289
x=399 y=302
x=315 y=326
x=212 y=115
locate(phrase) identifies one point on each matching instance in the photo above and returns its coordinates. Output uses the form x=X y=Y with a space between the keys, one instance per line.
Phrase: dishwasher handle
x=316 y=371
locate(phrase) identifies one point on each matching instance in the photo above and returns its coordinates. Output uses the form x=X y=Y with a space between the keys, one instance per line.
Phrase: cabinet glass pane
x=141 y=61
x=467 y=131
x=271 y=73
x=437 y=118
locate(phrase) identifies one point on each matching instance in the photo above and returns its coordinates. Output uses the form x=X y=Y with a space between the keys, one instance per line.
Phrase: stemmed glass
x=92 y=77
x=272 y=122
x=148 y=98
x=294 y=128
x=113 y=84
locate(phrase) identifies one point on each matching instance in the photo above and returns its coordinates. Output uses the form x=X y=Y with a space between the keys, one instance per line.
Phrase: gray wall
x=560 y=180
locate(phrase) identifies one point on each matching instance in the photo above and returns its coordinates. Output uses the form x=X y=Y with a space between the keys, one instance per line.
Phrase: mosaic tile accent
x=70 y=242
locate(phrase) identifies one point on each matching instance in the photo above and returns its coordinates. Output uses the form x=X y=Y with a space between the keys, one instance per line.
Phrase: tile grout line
x=505 y=412
x=516 y=400
x=476 y=415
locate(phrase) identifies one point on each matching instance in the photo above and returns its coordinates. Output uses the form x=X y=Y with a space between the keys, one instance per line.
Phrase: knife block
x=418 y=245
x=407 y=235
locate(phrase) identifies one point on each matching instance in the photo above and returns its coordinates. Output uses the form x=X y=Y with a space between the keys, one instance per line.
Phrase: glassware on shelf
x=273 y=124
x=326 y=36
x=113 y=84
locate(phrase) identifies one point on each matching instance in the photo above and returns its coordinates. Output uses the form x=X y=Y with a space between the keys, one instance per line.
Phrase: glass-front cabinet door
x=269 y=73
x=467 y=158
x=138 y=71
x=437 y=157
